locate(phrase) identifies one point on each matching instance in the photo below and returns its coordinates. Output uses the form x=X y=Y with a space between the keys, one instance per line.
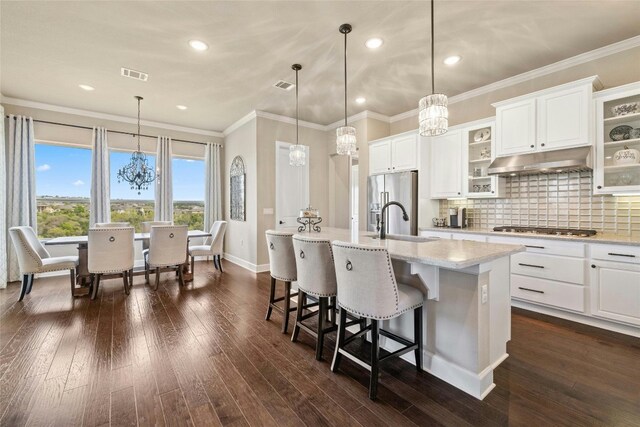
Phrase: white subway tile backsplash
x=555 y=200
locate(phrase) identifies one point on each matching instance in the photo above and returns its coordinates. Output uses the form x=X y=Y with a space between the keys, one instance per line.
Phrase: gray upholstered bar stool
x=316 y=277
x=282 y=265
x=367 y=287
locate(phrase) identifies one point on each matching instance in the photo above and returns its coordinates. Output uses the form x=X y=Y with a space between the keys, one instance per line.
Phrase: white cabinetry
x=551 y=119
x=611 y=178
x=615 y=283
x=394 y=154
x=446 y=165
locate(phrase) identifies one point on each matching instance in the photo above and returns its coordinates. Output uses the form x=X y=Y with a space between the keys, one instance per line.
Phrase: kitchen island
x=467 y=319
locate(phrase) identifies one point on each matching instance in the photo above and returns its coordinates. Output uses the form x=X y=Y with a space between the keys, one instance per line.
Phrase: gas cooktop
x=546 y=231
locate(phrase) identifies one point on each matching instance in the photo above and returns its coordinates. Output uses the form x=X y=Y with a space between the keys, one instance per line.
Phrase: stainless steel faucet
x=381 y=225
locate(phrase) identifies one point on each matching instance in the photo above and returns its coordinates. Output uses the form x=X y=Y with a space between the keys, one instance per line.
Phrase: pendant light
x=345 y=135
x=297 y=153
x=434 y=115
x=137 y=172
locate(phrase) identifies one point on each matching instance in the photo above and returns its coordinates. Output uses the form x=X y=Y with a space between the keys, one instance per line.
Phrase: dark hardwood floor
x=203 y=355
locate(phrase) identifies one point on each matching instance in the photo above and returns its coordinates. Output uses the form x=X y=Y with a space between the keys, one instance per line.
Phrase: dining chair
x=168 y=250
x=213 y=245
x=33 y=258
x=110 y=254
x=111 y=224
x=146 y=228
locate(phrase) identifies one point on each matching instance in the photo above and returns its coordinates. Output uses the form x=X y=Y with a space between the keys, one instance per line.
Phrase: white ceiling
x=49 y=47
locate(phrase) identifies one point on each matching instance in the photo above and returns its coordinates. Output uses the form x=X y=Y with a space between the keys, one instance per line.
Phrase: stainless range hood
x=566 y=160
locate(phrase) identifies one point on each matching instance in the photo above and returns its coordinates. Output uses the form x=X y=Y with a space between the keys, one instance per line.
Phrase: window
x=188 y=192
x=63 y=180
x=126 y=204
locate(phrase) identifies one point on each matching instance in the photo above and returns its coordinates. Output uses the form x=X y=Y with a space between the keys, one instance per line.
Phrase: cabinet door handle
x=531 y=290
x=625 y=255
x=530 y=265
x=534 y=246
x=542 y=145
x=599 y=187
x=531 y=145
x=593 y=266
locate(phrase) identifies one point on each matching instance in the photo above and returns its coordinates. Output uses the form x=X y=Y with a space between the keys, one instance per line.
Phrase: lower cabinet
x=615 y=291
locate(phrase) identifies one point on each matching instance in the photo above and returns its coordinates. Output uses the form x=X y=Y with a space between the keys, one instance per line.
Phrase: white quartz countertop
x=606 y=238
x=451 y=254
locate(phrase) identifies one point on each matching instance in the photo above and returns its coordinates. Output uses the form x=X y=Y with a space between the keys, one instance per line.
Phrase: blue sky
x=66 y=171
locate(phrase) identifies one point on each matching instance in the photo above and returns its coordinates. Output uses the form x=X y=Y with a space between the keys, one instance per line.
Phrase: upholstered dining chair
x=213 y=245
x=367 y=287
x=33 y=258
x=168 y=250
x=146 y=228
x=110 y=253
x=111 y=224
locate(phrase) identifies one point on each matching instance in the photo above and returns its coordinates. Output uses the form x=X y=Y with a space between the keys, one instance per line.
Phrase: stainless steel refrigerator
x=400 y=187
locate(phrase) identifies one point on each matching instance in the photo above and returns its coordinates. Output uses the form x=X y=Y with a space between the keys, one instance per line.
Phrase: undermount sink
x=418 y=239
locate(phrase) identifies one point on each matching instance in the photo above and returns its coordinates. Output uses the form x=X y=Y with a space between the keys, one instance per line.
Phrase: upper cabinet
x=479 y=152
x=555 y=118
x=446 y=158
x=397 y=153
x=617 y=168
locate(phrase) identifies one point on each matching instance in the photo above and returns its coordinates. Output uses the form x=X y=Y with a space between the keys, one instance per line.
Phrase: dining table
x=82 y=272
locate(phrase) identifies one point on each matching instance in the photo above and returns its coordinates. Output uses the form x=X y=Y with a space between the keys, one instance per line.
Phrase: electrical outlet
x=484 y=294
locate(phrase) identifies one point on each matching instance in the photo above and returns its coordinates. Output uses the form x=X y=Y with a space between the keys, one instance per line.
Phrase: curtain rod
x=116 y=131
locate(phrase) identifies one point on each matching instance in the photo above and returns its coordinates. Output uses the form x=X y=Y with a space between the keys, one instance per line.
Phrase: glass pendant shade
x=346 y=140
x=433 y=115
x=297 y=155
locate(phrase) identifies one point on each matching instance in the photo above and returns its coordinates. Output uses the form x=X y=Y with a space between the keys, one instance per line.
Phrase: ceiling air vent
x=281 y=84
x=138 y=75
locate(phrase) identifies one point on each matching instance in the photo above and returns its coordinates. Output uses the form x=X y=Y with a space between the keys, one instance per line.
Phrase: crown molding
x=289 y=120
x=239 y=123
x=105 y=116
x=564 y=64
x=366 y=114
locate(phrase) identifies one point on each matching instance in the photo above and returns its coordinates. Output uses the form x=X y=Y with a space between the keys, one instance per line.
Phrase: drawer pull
x=530 y=265
x=627 y=255
x=534 y=246
x=531 y=290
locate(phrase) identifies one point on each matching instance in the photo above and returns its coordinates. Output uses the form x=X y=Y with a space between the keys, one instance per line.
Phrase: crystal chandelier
x=137 y=172
x=297 y=154
x=345 y=135
x=434 y=115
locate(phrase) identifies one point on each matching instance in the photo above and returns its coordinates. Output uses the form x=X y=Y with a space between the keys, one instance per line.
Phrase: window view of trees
x=63 y=176
x=188 y=192
x=63 y=188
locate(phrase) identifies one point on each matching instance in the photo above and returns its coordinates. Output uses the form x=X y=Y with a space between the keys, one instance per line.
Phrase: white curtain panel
x=212 y=186
x=3 y=205
x=164 y=187
x=100 y=208
x=21 y=183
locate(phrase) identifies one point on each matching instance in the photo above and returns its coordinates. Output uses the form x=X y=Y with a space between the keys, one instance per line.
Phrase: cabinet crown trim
x=594 y=81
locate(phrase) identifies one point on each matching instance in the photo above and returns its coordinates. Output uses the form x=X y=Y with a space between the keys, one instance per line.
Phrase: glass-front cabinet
x=479 y=139
x=618 y=140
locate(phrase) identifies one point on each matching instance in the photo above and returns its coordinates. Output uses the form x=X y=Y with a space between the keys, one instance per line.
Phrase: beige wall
x=268 y=132
x=82 y=137
x=240 y=240
x=613 y=70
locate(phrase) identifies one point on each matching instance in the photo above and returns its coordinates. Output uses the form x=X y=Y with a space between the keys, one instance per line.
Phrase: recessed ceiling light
x=374 y=43
x=451 y=60
x=360 y=100
x=181 y=107
x=198 y=45
x=86 y=87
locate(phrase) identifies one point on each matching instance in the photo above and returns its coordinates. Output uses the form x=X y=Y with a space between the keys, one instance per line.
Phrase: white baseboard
x=254 y=268
x=574 y=317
